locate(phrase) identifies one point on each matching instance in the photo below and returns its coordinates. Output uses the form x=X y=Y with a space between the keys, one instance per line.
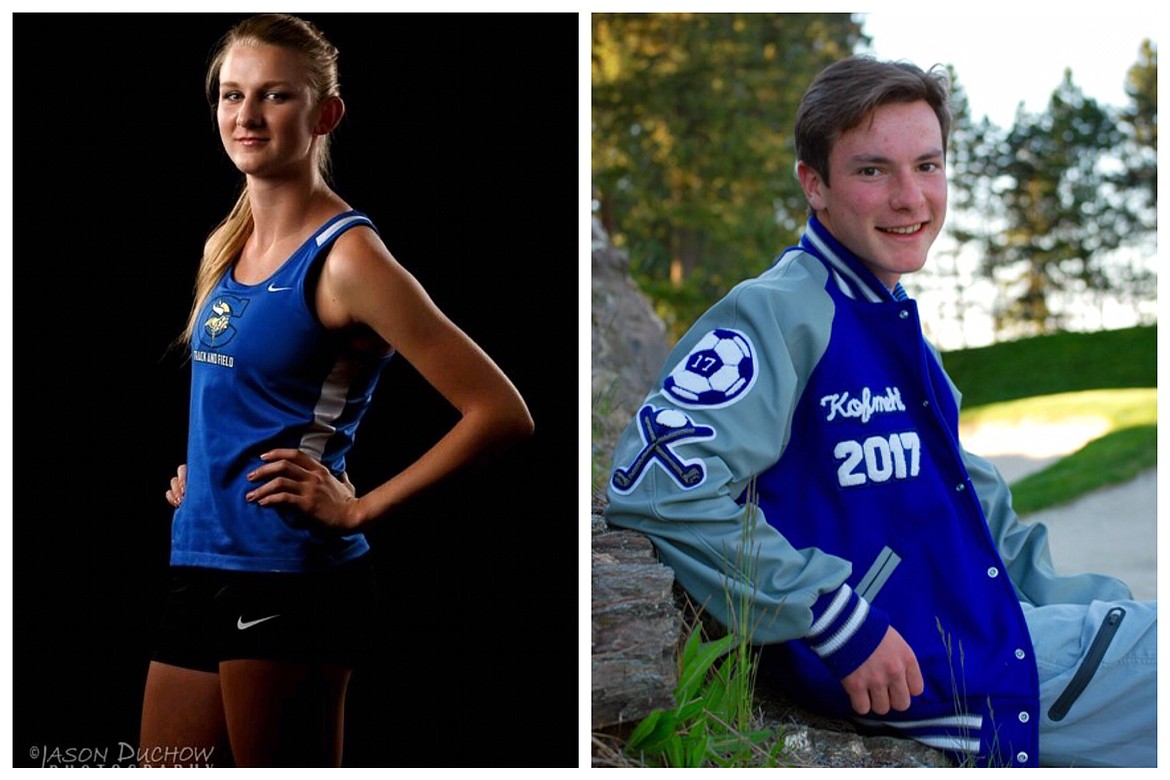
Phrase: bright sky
x=1003 y=58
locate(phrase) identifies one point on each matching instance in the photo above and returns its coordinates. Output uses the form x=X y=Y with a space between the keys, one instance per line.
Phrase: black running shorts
x=214 y=615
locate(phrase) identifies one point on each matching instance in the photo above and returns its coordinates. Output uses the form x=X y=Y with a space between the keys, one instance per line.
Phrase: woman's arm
x=362 y=284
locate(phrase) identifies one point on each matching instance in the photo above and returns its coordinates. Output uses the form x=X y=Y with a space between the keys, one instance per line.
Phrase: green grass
x=1060 y=363
x=710 y=725
x=1110 y=375
x=1120 y=408
x=1126 y=448
x=1113 y=459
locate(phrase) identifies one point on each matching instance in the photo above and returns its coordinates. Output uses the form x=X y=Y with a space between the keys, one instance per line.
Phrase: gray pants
x=1098 y=667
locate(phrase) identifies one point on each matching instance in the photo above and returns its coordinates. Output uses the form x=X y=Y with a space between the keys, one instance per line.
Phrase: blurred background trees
x=693 y=157
x=693 y=173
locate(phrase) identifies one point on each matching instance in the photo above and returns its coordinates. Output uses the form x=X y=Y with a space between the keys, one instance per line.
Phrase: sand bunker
x=1033 y=438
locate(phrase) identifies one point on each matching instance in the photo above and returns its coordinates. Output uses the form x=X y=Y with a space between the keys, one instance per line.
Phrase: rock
x=805 y=746
x=635 y=628
x=629 y=346
x=811 y=740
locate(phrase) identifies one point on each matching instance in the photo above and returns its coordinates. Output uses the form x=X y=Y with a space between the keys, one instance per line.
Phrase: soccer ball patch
x=718 y=371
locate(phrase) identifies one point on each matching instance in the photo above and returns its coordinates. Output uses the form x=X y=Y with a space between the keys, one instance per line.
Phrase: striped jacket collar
x=850 y=274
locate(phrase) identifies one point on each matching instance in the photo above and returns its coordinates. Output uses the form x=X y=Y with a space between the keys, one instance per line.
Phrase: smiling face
x=888 y=197
x=266 y=112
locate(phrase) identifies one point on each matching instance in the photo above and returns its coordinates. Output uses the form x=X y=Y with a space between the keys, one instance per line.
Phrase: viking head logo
x=217 y=328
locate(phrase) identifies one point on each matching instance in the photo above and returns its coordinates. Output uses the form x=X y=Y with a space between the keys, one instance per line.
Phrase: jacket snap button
x=993 y=572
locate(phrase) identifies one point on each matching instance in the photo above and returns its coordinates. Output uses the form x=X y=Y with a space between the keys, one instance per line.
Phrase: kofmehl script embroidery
x=864 y=407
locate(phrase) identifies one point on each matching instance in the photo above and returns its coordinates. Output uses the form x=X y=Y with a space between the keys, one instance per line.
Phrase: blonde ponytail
x=222 y=247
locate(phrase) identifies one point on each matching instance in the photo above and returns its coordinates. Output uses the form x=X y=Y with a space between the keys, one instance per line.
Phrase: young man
x=800 y=453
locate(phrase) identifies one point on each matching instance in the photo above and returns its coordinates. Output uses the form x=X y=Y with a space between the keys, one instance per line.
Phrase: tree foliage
x=969 y=193
x=1140 y=123
x=1060 y=205
x=693 y=157
x=1048 y=202
x=693 y=169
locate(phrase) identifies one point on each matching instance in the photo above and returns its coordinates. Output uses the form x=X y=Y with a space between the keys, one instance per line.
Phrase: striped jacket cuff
x=845 y=630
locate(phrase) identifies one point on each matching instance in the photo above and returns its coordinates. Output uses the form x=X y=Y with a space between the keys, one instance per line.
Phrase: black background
x=460 y=141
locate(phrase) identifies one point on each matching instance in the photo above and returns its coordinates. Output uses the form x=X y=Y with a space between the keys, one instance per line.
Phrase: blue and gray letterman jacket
x=800 y=454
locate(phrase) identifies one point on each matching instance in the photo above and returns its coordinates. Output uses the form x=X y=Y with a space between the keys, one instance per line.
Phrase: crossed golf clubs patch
x=661 y=428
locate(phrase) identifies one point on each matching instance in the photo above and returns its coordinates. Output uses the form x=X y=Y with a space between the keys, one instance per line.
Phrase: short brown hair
x=846 y=92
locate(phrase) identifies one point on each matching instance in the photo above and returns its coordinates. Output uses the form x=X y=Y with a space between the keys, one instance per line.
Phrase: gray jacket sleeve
x=723 y=552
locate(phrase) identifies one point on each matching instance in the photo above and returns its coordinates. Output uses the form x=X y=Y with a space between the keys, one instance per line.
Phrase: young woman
x=298 y=305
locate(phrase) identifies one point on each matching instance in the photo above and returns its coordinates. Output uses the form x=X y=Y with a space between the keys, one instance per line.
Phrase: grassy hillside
x=1060 y=363
x=1069 y=375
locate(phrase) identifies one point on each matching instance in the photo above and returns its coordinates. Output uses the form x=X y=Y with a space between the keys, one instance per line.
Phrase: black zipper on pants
x=1088 y=668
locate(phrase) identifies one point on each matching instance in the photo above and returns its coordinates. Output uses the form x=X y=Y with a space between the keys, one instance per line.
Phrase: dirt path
x=1112 y=531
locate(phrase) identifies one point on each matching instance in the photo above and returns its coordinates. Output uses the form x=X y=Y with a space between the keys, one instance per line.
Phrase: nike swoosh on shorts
x=241 y=624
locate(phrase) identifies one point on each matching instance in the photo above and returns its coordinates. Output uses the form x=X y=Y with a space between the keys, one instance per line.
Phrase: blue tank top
x=266 y=374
